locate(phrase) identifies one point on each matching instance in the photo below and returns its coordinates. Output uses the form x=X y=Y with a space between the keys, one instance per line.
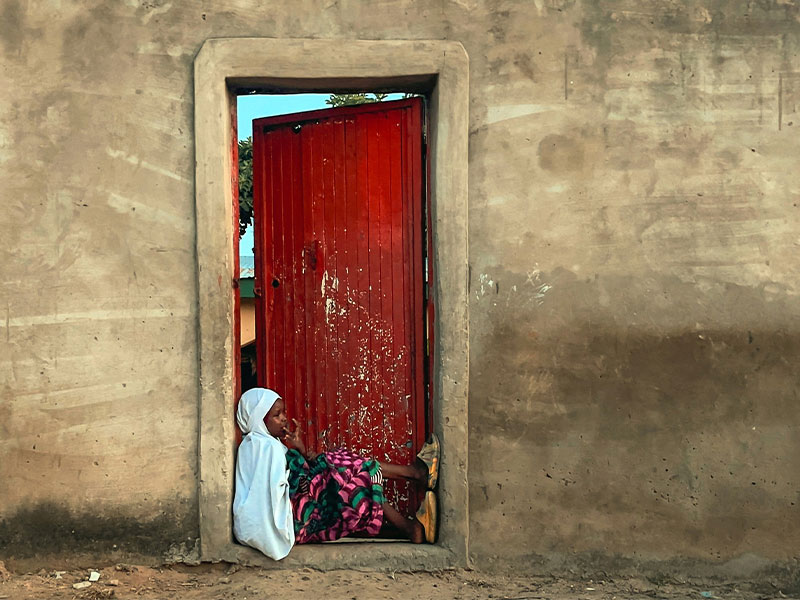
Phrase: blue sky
x=259 y=105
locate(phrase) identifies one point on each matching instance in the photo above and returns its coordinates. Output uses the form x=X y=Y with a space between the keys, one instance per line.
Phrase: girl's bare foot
x=412 y=528
x=418 y=532
x=418 y=472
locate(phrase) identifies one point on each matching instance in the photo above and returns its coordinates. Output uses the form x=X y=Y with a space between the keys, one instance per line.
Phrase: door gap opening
x=253 y=290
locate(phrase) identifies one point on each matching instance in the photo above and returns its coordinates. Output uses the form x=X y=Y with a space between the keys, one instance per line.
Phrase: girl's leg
x=416 y=472
x=410 y=527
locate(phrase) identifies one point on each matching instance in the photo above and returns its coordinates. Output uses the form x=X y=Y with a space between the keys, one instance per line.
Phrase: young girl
x=289 y=495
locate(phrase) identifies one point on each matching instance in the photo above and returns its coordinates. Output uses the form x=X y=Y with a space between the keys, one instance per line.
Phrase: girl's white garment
x=262 y=511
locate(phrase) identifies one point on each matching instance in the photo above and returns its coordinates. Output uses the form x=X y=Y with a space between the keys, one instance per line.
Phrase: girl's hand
x=293 y=439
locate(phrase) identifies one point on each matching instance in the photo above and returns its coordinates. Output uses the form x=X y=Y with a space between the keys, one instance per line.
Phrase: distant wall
x=633 y=232
x=248 y=321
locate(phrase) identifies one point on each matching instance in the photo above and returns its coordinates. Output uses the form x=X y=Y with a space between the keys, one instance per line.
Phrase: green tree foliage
x=245 y=184
x=353 y=99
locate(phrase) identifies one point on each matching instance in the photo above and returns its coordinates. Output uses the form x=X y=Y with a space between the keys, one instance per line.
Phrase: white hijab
x=262 y=512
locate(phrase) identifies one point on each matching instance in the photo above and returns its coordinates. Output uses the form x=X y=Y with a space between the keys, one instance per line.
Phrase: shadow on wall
x=49 y=528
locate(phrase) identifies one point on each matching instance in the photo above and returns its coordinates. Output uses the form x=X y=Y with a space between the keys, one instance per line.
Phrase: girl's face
x=276 y=419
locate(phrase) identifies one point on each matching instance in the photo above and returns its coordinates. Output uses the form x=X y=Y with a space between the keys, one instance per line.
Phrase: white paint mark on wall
x=541 y=291
x=135 y=160
x=540 y=288
x=467 y=4
x=98 y=315
x=125 y=205
x=160 y=49
x=487 y=285
x=534 y=276
x=537 y=295
x=504 y=112
x=156 y=10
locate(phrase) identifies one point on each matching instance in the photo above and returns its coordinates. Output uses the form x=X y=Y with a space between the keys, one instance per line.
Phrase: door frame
x=226 y=67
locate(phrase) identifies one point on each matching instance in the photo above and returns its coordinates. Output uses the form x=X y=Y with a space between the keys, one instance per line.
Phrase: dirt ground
x=224 y=582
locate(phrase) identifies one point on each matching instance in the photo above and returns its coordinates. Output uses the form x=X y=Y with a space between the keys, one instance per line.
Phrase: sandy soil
x=228 y=582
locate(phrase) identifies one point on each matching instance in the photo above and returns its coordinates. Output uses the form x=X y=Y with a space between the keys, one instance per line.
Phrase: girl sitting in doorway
x=287 y=495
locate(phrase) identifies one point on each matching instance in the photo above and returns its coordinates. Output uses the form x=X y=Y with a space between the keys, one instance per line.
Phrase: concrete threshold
x=387 y=556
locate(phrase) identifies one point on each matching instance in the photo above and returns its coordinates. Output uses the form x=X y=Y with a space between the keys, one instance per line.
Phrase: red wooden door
x=339 y=265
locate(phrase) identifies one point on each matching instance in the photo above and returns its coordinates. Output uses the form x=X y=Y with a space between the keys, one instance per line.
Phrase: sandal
x=428 y=516
x=429 y=454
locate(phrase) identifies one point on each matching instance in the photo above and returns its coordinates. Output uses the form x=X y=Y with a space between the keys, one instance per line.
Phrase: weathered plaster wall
x=98 y=410
x=633 y=242
x=634 y=315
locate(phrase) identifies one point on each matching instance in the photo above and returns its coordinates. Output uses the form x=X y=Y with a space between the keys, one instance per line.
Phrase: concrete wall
x=634 y=230
x=633 y=242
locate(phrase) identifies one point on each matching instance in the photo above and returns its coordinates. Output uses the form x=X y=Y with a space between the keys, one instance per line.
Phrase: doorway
x=226 y=67
x=340 y=249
